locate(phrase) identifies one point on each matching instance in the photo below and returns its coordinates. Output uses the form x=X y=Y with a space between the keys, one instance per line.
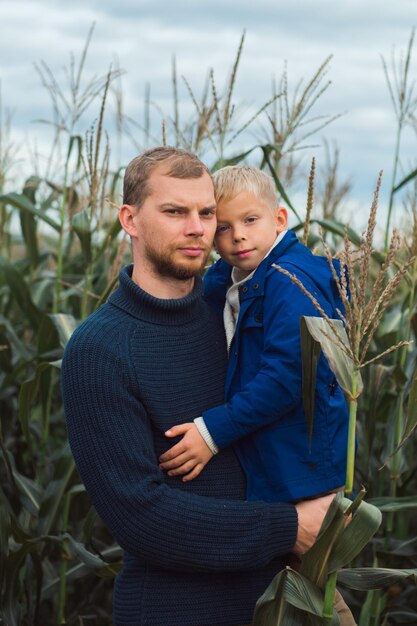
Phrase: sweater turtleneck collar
x=170 y=312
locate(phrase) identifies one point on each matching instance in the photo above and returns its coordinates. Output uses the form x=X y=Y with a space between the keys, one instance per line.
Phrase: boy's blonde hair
x=233 y=179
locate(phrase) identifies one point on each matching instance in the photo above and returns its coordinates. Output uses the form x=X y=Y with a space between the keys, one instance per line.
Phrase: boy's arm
x=276 y=388
x=274 y=391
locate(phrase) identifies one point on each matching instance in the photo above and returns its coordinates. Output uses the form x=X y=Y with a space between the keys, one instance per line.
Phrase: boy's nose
x=238 y=236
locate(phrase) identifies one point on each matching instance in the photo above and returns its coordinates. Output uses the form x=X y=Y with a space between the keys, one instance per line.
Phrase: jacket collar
x=221 y=274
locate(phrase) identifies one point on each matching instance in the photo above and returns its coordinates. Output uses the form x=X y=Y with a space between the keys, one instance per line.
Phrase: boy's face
x=246 y=229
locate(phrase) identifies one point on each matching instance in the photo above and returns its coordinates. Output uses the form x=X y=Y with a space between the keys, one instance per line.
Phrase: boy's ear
x=127 y=213
x=282 y=218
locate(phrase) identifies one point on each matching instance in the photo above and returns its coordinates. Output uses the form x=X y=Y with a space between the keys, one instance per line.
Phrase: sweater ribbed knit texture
x=196 y=554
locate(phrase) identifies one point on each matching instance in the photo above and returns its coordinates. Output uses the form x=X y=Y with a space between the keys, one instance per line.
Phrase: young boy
x=263 y=414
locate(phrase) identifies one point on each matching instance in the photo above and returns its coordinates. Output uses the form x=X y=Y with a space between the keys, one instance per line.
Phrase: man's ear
x=127 y=212
x=282 y=218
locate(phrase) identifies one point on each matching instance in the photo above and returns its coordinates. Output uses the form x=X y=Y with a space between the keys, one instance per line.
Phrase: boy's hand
x=189 y=456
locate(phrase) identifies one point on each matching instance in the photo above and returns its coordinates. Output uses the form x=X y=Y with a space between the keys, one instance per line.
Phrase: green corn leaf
x=30 y=492
x=411 y=423
x=387 y=503
x=31 y=186
x=22 y=202
x=355 y=536
x=310 y=354
x=365 y=578
x=315 y=562
x=28 y=222
x=21 y=293
x=48 y=339
x=338 y=228
x=400 y=548
x=65 y=325
x=266 y=149
x=28 y=393
x=5 y=524
x=291 y=600
x=232 y=161
x=405 y=180
x=11 y=609
x=111 y=234
x=78 y=141
x=113 y=554
x=112 y=284
x=340 y=363
x=28 y=226
x=81 y=225
x=19 y=348
x=88 y=558
x=64 y=470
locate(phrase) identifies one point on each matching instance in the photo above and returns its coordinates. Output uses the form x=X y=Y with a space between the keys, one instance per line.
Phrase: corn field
x=61 y=248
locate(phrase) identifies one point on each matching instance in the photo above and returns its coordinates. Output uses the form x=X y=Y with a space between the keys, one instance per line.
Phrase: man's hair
x=179 y=164
x=233 y=179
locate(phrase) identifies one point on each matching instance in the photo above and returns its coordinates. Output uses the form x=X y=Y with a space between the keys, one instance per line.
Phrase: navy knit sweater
x=196 y=554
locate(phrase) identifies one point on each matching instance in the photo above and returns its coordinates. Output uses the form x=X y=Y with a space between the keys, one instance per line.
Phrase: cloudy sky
x=144 y=34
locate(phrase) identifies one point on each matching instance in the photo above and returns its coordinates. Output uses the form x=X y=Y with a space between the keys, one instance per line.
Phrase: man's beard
x=164 y=264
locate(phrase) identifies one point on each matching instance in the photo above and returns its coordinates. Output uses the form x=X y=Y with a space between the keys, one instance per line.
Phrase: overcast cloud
x=144 y=34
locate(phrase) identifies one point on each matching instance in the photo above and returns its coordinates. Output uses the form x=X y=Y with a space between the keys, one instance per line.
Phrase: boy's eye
x=251 y=219
x=222 y=228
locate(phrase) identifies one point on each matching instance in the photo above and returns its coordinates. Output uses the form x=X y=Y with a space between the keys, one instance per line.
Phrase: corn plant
x=60 y=252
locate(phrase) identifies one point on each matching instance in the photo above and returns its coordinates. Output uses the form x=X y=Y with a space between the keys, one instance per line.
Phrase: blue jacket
x=263 y=415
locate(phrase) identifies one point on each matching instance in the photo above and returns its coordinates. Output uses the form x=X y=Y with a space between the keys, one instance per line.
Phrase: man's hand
x=189 y=456
x=311 y=514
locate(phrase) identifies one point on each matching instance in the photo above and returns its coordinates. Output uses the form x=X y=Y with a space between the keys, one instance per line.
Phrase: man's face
x=246 y=229
x=175 y=225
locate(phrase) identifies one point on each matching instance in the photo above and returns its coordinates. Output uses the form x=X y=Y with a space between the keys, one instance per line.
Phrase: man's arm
x=111 y=440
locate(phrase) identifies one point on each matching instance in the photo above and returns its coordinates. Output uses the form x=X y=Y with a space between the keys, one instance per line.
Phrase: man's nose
x=194 y=225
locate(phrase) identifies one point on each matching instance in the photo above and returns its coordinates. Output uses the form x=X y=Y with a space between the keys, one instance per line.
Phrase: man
x=196 y=554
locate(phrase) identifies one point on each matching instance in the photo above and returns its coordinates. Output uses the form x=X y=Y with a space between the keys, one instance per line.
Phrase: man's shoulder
x=99 y=331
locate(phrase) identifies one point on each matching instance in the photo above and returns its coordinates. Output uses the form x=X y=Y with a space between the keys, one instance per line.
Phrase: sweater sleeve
x=111 y=439
x=276 y=389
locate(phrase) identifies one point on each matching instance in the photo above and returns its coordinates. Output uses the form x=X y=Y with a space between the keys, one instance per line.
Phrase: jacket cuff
x=202 y=429
x=220 y=426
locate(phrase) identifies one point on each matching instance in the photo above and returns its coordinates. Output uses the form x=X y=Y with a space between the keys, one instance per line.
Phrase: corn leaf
x=21 y=293
x=80 y=570
x=267 y=149
x=355 y=536
x=81 y=225
x=405 y=180
x=310 y=354
x=232 y=161
x=411 y=411
x=65 y=325
x=389 y=503
x=340 y=363
x=22 y=202
x=27 y=394
x=290 y=600
x=64 y=470
x=365 y=578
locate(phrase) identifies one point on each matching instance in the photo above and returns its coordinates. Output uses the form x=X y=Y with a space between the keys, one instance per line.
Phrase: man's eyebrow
x=172 y=205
